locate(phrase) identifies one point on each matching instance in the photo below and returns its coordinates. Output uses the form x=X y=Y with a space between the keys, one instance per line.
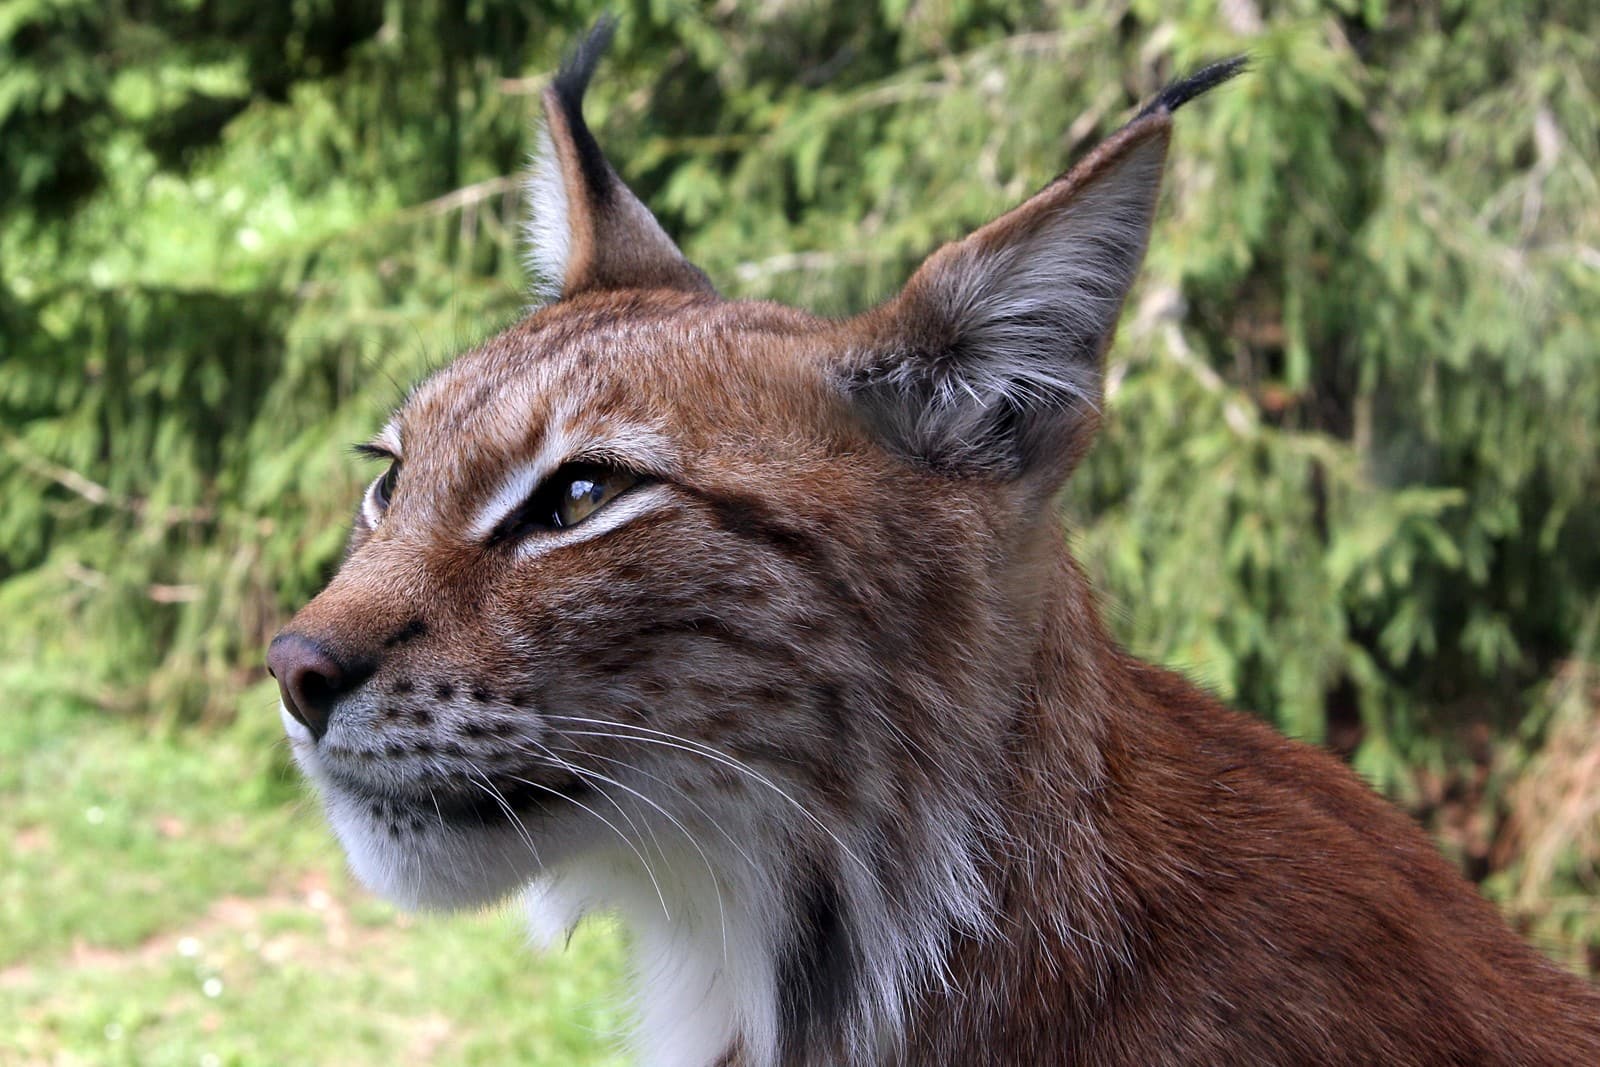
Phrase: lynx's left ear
x=989 y=361
x=586 y=230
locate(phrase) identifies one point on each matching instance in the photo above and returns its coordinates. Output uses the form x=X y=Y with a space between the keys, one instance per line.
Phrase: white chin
x=419 y=861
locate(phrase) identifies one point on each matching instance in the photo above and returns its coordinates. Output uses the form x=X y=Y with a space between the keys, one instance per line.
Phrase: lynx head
x=718 y=609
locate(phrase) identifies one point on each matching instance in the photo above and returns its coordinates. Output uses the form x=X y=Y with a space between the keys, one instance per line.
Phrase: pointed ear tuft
x=586 y=230
x=1201 y=81
x=989 y=361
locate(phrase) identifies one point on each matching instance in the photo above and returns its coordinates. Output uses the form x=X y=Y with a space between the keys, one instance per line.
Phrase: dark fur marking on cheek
x=402 y=686
x=481 y=694
x=716 y=629
x=749 y=518
x=816 y=969
x=422 y=717
x=831 y=704
x=444 y=691
x=409 y=632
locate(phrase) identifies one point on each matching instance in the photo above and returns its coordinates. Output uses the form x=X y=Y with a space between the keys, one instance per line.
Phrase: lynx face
x=723 y=615
x=493 y=677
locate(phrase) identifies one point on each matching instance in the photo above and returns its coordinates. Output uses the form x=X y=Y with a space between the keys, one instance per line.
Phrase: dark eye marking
x=567 y=497
x=383 y=488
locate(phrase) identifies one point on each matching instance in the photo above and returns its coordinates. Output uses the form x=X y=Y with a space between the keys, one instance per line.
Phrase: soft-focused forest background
x=1350 y=478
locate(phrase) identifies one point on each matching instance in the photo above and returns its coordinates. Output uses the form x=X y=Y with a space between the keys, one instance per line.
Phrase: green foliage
x=1351 y=458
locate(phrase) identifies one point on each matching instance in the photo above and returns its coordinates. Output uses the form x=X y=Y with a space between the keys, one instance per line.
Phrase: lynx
x=759 y=630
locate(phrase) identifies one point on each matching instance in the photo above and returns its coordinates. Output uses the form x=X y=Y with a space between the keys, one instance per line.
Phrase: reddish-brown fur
x=1000 y=840
x=1264 y=905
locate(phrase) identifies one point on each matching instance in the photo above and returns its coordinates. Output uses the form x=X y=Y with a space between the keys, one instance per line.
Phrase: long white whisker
x=549 y=755
x=682 y=792
x=648 y=870
x=684 y=744
x=439 y=814
x=505 y=806
x=716 y=884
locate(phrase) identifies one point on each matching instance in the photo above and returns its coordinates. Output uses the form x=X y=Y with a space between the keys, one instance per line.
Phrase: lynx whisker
x=684 y=744
x=683 y=793
x=643 y=859
x=590 y=773
x=499 y=798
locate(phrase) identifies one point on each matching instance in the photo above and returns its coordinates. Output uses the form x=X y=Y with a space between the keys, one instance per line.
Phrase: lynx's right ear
x=586 y=230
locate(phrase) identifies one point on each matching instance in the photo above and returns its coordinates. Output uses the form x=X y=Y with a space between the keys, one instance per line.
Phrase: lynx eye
x=569 y=496
x=383 y=488
x=581 y=493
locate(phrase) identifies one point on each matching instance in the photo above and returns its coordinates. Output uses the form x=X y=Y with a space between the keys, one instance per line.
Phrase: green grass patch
x=176 y=898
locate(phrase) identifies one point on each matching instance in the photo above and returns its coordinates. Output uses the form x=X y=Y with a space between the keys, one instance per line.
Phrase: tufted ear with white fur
x=988 y=362
x=586 y=230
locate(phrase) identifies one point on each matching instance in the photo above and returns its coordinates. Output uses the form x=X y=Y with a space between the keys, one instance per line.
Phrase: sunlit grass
x=178 y=900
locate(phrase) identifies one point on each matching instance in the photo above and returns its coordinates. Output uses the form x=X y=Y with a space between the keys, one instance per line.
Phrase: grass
x=175 y=898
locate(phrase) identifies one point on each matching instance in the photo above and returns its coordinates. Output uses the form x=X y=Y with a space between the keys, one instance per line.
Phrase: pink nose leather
x=310 y=679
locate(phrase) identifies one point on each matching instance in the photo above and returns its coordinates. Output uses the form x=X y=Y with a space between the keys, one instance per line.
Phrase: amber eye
x=581 y=493
x=383 y=488
x=566 y=498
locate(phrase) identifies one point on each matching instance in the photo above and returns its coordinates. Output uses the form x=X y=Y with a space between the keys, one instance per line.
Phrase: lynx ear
x=989 y=361
x=586 y=230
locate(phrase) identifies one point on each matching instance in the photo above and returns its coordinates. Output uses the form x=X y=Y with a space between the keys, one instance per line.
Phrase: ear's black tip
x=572 y=80
x=1203 y=80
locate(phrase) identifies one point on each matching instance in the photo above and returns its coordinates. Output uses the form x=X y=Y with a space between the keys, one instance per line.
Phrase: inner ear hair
x=989 y=360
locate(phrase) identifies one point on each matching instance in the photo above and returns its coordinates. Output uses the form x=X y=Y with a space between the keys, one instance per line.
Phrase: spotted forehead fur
x=707 y=374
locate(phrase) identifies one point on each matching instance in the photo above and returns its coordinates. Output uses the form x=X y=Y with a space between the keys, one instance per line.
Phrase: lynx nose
x=309 y=677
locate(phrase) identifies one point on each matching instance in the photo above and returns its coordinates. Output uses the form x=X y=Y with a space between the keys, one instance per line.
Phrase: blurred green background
x=1349 y=477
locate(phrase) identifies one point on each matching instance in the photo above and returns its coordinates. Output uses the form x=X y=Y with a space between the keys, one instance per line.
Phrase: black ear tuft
x=1203 y=80
x=989 y=361
x=569 y=86
x=586 y=230
x=572 y=80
